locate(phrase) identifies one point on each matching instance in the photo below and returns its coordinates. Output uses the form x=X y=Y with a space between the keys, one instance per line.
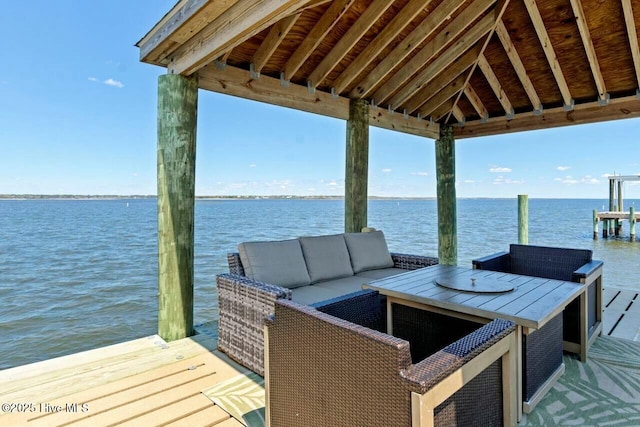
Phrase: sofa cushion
x=311 y=294
x=327 y=257
x=380 y=273
x=279 y=263
x=368 y=251
x=346 y=285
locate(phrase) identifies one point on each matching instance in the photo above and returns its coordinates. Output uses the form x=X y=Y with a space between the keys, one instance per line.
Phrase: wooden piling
x=612 y=207
x=595 y=224
x=357 y=166
x=605 y=228
x=177 y=115
x=632 y=223
x=523 y=219
x=446 y=192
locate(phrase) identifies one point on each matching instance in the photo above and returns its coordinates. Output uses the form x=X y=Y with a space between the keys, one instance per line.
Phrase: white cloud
x=420 y=173
x=332 y=184
x=108 y=82
x=386 y=170
x=469 y=181
x=252 y=165
x=93 y=79
x=570 y=180
x=563 y=168
x=496 y=169
x=502 y=180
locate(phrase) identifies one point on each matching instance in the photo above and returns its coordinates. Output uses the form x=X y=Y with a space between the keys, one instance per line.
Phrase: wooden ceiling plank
x=237 y=82
x=491 y=77
x=408 y=45
x=377 y=45
x=445 y=94
x=368 y=18
x=313 y=3
x=633 y=36
x=439 y=65
x=315 y=36
x=476 y=102
x=451 y=32
x=583 y=29
x=441 y=80
x=243 y=20
x=518 y=66
x=442 y=110
x=592 y=112
x=458 y=114
x=269 y=45
x=549 y=52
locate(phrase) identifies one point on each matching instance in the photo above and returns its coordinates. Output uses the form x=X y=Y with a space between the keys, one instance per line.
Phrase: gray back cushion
x=279 y=263
x=327 y=257
x=368 y=251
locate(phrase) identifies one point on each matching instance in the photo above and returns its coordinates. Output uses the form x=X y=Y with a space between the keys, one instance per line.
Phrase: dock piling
x=595 y=224
x=523 y=219
x=632 y=223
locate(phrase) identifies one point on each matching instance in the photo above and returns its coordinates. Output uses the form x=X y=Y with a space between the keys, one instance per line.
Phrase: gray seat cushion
x=343 y=286
x=311 y=294
x=380 y=273
x=327 y=257
x=279 y=263
x=368 y=251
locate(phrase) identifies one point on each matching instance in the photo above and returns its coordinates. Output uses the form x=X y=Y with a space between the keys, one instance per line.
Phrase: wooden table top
x=532 y=303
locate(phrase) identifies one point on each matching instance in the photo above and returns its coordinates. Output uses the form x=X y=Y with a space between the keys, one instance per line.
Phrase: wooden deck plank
x=231 y=422
x=212 y=416
x=170 y=414
x=628 y=327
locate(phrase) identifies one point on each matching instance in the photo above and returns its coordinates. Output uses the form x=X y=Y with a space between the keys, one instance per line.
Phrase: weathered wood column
x=523 y=219
x=357 y=166
x=446 y=192
x=177 y=113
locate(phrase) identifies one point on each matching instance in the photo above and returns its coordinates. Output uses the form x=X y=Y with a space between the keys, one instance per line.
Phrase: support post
x=612 y=186
x=632 y=223
x=523 y=219
x=605 y=228
x=595 y=224
x=357 y=166
x=620 y=209
x=177 y=114
x=446 y=192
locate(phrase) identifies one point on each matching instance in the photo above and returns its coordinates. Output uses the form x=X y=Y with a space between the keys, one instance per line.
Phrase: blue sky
x=78 y=116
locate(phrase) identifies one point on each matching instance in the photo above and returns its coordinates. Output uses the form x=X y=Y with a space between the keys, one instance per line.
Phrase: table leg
x=389 y=316
x=584 y=325
x=519 y=357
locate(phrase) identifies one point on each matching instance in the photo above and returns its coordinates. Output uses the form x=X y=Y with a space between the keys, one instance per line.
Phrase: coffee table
x=535 y=305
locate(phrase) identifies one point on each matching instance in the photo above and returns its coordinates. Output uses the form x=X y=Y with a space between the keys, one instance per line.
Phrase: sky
x=78 y=116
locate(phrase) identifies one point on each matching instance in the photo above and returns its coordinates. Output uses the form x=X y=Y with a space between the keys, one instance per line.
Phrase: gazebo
x=441 y=69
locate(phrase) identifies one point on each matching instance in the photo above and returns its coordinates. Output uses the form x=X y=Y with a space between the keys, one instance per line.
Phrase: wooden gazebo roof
x=490 y=67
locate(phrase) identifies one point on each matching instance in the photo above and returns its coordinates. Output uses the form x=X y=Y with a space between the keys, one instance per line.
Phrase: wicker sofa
x=325 y=370
x=307 y=270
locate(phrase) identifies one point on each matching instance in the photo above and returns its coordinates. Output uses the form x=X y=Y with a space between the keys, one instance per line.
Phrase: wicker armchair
x=244 y=304
x=575 y=265
x=323 y=370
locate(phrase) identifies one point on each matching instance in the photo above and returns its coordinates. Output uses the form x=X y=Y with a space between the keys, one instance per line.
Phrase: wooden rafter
x=373 y=49
x=315 y=36
x=438 y=65
x=583 y=28
x=269 y=45
x=633 y=36
x=549 y=52
x=518 y=66
x=241 y=21
x=458 y=114
x=446 y=93
x=475 y=101
x=408 y=45
x=444 y=78
x=442 y=110
x=346 y=42
x=592 y=112
x=491 y=77
x=236 y=82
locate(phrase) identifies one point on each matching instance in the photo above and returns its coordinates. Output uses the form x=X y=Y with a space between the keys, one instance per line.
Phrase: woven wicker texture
x=542 y=355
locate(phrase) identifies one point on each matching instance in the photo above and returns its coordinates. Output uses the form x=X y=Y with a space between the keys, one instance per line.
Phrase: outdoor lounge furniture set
x=329 y=359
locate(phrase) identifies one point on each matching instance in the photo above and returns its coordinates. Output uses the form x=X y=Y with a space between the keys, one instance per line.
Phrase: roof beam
x=491 y=77
x=382 y=40
x=315 y=36
x=620 y=108
x=458 y=114
x=549 y=52
x=633 y=36
x=445 y=94
x=346 y=42
x=475 y=101
x=238 y=23
x=436 y=67
x=442 y=110
x=583 y=28
x=237 y=82
x=518 y=66
x=406 y=46
x=442 y=79
x=269 y=45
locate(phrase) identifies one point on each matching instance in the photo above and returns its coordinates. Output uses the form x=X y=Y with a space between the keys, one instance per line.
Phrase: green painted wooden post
x=595 y=224
x=357 y=166
x=446 y=192
x=612 y=186
x=523 y=219
x=632 y=223
x=177 y=114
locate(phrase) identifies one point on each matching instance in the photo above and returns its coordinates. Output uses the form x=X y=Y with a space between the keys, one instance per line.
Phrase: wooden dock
x=621 y=317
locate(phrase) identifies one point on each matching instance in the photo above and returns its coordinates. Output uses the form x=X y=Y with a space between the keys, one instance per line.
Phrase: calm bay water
x=80 y=274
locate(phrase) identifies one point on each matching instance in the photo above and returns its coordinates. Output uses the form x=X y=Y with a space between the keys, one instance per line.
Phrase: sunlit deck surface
x=150 y=382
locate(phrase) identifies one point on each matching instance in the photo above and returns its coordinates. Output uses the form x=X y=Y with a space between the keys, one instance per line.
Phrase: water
x=80 y=274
